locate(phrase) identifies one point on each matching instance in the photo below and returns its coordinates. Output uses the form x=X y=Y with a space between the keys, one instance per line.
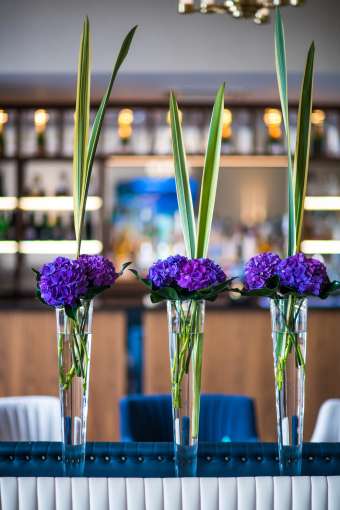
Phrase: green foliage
x=297 y=172
x=197 y=244
x=85 y=146
x=176 y=293
x=184 y=197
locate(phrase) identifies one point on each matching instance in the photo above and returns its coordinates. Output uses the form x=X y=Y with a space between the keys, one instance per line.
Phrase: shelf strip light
x=322 y=203
x=8 y=247
x=327 y=247
x=92 y=247
x=56 y=203
x=8 y=203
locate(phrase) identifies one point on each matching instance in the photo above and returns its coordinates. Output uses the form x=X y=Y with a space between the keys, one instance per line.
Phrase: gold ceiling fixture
x=258 y=10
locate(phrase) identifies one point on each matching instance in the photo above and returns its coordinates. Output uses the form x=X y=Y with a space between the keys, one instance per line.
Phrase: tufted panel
x=156 y=460
x=267 y=493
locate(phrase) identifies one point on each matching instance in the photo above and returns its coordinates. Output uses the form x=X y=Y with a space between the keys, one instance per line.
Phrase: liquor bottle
x=45 y=229
x=3 y=226
x=30 y=231
x=2 y=191
x=37 y=189
x=58 y=229
x=63 y=185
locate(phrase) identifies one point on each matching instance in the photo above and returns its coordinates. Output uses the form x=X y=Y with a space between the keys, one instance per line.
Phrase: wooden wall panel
x=28 y=364
x=238 y=360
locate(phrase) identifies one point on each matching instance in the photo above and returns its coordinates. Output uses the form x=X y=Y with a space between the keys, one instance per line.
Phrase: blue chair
x=222 y=418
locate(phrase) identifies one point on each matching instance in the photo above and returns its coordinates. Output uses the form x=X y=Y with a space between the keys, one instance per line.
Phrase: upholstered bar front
x=155 y=460
x=263 y=493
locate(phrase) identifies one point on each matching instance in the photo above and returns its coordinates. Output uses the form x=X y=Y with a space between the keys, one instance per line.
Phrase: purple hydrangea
x=305 y=276
x=99 y=270
x=199 y=274
x=189 y=274
x=259 y=269
x=164 y=273
x=62 y=282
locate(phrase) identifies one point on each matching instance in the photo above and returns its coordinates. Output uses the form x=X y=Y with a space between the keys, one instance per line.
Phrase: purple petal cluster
x=165 y=273
x=62 y=282
x=299 y=273
x=99 y=270
x=259 y=269
x=306 y=276
x=189 y=274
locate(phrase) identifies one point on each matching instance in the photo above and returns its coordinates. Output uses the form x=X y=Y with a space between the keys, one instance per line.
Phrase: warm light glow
x=272 y=117
x=318 y=117
x=227 y=121
x=59 y=247
x=180 y=116
x=313 y=247
x=40 y=120
x=3 y=118
x=8 y=247
x=56 y=203
x=322 y=203
x=124 y=132
x=8 y=203
x=125 y=116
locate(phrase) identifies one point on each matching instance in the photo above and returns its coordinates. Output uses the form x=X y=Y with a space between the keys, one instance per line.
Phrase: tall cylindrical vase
x=74 y=331
x=186 y=323
x=289 y=333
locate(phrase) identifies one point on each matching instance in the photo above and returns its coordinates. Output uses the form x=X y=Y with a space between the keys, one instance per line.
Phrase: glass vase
x=289 y=333
x=186 y=323
x=74 y=331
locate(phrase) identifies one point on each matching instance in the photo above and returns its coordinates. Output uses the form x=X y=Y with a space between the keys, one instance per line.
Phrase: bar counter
x=237 y=359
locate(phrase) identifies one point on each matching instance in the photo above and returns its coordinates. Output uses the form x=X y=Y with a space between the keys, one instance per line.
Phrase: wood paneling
x=238 y=360
x=28 y=364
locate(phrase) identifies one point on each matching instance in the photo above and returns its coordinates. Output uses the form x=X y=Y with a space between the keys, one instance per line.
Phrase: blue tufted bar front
x=155 y=460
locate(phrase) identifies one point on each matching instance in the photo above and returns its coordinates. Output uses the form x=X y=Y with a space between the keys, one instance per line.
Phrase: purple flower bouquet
x=69 y=286
x=288 y=283
x=185 y=284
x=179 y=278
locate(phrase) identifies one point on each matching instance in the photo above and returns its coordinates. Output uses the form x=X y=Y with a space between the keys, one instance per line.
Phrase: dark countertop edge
x=109 y=305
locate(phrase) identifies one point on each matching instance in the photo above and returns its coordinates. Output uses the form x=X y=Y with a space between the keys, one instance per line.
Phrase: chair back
x=30 y=418
x=327 y=428
x=222 y=418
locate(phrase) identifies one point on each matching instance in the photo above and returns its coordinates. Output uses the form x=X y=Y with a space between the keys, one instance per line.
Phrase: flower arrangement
x=186 y=282
x=296 y=276
x=267 y=274
x=69 y=285
x=181 y=278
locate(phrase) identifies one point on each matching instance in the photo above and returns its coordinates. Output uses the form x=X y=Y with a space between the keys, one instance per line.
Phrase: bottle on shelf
x=63 y=185
x=37 y=189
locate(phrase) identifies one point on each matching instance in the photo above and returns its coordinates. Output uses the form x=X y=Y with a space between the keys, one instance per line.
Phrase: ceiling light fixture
x=257 y=10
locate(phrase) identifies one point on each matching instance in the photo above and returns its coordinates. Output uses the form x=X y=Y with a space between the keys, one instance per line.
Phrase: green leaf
x=124 y=266
x=301 y=160
x=184 y=197
x=210 y=176
x=281 y=73
x=98 y=122
x=84 y=148
x=81 y=127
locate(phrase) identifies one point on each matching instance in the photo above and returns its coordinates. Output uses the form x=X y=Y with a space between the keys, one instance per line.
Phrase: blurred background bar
x=132 y=212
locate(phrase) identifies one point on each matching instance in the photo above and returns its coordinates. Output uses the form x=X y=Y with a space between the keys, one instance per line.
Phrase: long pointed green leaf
x=301 y=159
x=97 y=125
x=281 y=73
x=81 y=126
x=184 y=197
x=210 y=175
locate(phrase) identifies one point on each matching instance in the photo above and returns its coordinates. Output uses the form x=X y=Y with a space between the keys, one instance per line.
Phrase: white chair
x=327 y=428
x=31 y=418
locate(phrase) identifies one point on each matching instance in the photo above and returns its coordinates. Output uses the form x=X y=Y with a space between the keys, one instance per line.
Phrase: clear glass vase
x=289 y=333
x=186 y=323
x=74 y=331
